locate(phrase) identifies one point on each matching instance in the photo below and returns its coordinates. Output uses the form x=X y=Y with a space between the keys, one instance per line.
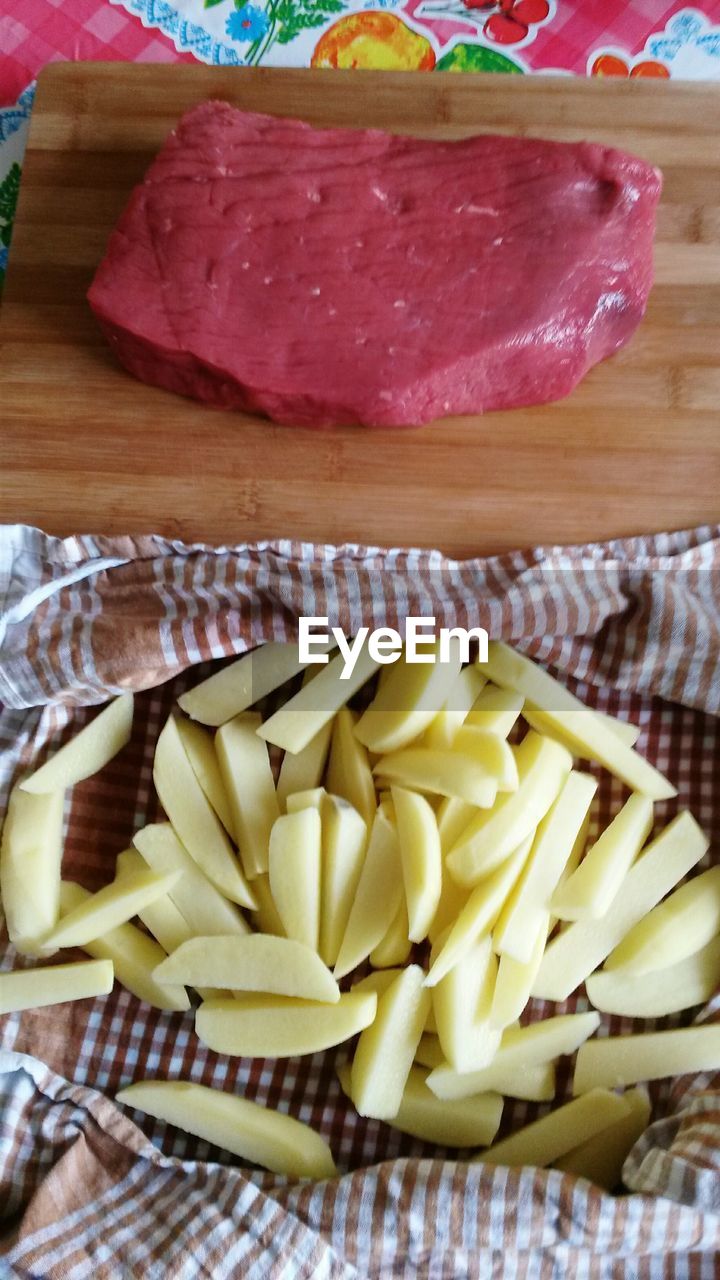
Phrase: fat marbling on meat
x=325 y=276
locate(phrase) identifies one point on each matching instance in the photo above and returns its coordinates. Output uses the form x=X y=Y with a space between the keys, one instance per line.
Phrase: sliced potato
x=295 y=863
x=429 y=1051
x=36 y=988
x=442 y=773
x=344 y=839
x=246 y=773
x=591 y=888
x=310 y=799
x=600 y=1158
x=278 y=966
x=114 y=905
x=194 y=820
x=206 y=910
x=88 y=752
x=590 y=735
x=377 y=897
x=690 y=982
x=420 y=859
x=200 y=749
x=452 y=900
x=252 y=1026
x=578 y=950
x=408 y=700
x=266 y=917
x=133 y=954
x=30 y=858
x=496 y=710
x=490 y=750
x=521 y=920
x=378 y=980
x=470 y=1122
x=268 y=1138
x=396 y=946
x=385 y=1051
x=349 y=774
x=304 y=715
x=461 y=1003
x=555 y=1134
x=674 y=929
x=543 y=766
x=162 y=918
x=441 y=731
x=617 y=1061
x=452 y=817
x=303 y=771
x=520 y=1048
x=514 y=981
x=479 y=914
x=626 y=732
x=532 y=1083
x=241 y=684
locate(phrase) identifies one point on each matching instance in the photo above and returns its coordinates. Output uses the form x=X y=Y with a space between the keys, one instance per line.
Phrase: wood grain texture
x=86 y=448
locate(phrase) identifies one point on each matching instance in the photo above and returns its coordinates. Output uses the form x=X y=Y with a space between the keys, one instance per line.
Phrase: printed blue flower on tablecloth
x=690 y=45
x=247 y=23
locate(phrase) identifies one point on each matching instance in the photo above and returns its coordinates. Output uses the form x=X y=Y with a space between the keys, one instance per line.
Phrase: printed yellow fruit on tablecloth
x=373 y=41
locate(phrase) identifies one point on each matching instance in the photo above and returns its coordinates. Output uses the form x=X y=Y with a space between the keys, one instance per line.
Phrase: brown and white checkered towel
x=82 y=1191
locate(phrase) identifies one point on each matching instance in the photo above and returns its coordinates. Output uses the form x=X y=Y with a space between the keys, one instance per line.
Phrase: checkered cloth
x=82 y=1190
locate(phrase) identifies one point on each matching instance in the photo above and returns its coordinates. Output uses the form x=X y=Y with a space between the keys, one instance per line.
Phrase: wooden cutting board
x=86 y=448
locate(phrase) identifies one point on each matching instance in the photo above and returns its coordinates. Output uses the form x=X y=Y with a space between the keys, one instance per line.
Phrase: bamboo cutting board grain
x=86 y=448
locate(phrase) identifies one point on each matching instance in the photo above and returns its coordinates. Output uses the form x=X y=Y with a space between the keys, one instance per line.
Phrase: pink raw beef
x=333 y=276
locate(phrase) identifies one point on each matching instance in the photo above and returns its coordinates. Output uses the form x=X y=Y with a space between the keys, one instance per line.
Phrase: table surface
x=87 y=448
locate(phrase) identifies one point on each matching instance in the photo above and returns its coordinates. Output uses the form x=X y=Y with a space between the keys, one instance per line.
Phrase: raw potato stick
x=420 y=858
x=396 y=946
x=310 y=799
x=590 y=735
x=30 y=858
x=686 y=921
x=690 y=982
x=89 y=751
x=303 y=771
x=479 y=913
x=239 y=686
x=200 y=749
x=520 y=1048
x=543 y=766
x=521 y=919
x=295 y=869
x=496 y=710
x=267 y=1138
x=134 y=957
x=514 y=982
x=462 y=1002
x=600 y=1159
x=588 y=892
x=442 y=773
x=555 y=1134
x=429 y=1052
x=377 y=897
x=408 y=700
x=385 y=1051
x=206 y=910
x=344 y=839
x=36 y=988
x=252 y=1026
x=470 y=1122
x=162 y=919
x=578 y=950
x=626 y=732
x=110 y=907
x=442 y=730
x=192 y=817
x=348 y=773
x=278 y=966
x=298 y=722
x=617 y=1061
x=250 y=787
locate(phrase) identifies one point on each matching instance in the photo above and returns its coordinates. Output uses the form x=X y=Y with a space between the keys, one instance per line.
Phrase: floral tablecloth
x=658 y=38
